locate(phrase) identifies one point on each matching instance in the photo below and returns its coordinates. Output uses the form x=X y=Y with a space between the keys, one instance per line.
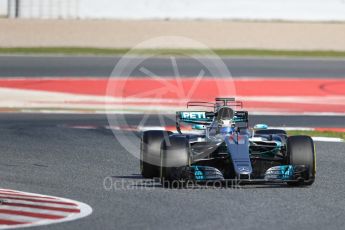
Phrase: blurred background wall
x=3 y=8
x=290 y=10
x=44 y=9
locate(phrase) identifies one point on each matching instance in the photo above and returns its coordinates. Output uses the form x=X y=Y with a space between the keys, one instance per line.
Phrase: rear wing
x=220 y=101
x=226 y=101
x=200 y=104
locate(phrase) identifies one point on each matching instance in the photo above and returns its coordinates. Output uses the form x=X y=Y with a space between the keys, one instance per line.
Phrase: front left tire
x=175 y=153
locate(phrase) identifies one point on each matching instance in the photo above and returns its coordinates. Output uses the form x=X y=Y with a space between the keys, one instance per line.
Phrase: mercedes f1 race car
x=221 y=147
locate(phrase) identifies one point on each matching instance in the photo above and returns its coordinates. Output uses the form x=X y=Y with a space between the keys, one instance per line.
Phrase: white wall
x=215 y=9
x=306 y=10
x=3 y=8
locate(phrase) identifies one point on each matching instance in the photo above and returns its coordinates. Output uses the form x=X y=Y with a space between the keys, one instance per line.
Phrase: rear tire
x=150 y=148
x=300 y=151
x=175 y=154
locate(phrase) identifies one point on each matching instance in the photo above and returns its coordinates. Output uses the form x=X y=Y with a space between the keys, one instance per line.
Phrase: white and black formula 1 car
x=224 y=148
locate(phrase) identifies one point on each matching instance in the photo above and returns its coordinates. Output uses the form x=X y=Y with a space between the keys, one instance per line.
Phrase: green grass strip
x=318 y=133
x=166 y=52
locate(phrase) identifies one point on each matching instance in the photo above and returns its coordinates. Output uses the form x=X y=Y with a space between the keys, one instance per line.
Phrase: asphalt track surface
x=65 y=66
x=43 y=153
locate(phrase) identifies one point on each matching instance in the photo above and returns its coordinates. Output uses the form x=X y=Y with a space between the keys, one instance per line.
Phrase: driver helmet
x=225 y=118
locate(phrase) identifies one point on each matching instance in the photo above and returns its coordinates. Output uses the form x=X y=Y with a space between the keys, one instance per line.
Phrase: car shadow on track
x=133 y=176
x=138 y=182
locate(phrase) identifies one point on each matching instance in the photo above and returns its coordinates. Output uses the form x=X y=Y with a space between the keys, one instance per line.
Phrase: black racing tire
x=175 y=153
x=301 y=151
x=150 y=148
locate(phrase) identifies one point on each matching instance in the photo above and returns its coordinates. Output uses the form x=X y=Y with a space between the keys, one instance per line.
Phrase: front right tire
x=301 y=151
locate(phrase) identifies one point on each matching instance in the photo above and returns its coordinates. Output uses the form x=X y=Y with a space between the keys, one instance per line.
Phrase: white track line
x=328 y=139
x=18 y=195
x=19 y=218
x=11 y=201
x=33 y=210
